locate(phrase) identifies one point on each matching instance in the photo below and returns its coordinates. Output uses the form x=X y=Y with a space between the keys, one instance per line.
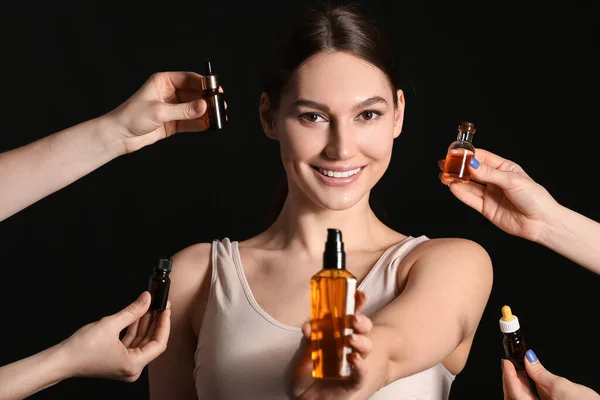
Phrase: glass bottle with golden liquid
x=460 y=152
x=332 y=293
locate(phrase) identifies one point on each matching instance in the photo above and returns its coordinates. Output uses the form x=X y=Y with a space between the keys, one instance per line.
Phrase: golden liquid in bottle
x=332 y=304
x=456 y=168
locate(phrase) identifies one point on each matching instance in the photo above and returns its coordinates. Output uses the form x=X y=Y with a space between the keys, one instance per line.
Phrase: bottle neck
x=334 y=260
x=160 y=273
x=464 y=136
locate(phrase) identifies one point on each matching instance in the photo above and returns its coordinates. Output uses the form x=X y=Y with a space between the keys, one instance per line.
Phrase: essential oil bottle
x=215 y=116
x=332 y=293
x=513 y=341
x=160 y=283
x=460 y=152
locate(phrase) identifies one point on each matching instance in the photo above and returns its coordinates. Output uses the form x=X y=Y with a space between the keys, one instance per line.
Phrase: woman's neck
x=303 y=225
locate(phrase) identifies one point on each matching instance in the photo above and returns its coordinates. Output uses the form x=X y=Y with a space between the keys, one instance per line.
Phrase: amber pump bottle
x=460 y=152
x=332 y=303
x=160 y=283
x=215 y=116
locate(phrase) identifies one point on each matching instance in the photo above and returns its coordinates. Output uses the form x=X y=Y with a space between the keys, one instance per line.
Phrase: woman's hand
x=96 y=351
x=168 y=103
x=306 y=387
x=506 y=195
x=549 y=386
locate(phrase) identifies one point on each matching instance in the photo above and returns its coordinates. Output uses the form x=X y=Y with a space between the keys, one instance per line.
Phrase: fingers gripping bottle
x=332 y=304
x=460 y=152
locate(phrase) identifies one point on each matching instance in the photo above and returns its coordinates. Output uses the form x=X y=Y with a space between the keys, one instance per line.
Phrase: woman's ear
x=267 y=119
x=399 y=113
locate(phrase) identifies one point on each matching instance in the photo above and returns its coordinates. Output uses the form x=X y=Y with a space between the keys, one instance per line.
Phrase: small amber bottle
x=460 y=152
x=513 y=341
x=332 y=304
x=160 y=283
x=215 y=116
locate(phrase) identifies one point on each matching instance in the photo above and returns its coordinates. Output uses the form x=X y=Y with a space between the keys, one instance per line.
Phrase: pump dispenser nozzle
x=334 y=256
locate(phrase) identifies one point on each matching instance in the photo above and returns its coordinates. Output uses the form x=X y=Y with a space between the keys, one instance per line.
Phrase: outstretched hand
x=502 y=191
x=96 y=351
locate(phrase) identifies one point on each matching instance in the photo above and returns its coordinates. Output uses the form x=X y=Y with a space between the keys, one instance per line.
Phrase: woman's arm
x=93 y=351
x=25 y=377
x=573 y=236
x=440 y=307
x=171 y=374
x=167 y=103
x=32 y=172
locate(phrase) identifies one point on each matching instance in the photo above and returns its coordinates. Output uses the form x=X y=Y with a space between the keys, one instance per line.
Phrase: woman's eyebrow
x=322 y=107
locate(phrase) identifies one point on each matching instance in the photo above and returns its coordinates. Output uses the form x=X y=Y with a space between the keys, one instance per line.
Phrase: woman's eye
x=369 y=115
x=312 y=117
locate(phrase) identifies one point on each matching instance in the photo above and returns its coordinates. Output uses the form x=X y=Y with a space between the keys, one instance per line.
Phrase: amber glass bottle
x=160 y=284
x=460 y=152
x=332 y=304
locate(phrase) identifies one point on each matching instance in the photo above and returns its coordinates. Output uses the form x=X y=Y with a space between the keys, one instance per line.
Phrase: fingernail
x=531 y=357
x=474 y=163
x=353 y=337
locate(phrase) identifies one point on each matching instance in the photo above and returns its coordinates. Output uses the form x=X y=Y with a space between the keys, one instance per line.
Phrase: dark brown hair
x=335 y=28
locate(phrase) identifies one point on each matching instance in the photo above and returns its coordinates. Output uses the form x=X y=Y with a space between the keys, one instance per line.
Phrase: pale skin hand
x=93 y=351
x=549 y=386
x=510 y=199
x=167 y=103
x=306 y=387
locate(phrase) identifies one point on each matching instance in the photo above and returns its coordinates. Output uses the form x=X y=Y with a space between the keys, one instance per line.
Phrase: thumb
x=485 y=174
x=536 y=370
x=182 y=111
x=133 y=312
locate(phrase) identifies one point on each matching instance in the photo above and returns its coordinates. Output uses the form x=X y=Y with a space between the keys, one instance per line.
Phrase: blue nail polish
x=474 y=163
x=531 y=357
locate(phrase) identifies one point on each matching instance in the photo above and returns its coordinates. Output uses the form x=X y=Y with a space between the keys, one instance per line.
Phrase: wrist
x=552 y=228
x=61 y=361
x=111 y=135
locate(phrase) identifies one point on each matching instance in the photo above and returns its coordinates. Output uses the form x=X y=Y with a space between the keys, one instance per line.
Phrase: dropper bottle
x=514 y=343
x=332 y=302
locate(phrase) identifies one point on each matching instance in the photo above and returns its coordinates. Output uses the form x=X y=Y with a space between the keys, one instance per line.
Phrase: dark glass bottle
x=160 y=283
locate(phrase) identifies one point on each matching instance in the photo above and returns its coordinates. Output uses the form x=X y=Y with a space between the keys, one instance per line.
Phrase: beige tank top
x=243 y=353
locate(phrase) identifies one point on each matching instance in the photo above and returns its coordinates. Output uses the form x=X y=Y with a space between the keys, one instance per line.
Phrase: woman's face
x=336 y=124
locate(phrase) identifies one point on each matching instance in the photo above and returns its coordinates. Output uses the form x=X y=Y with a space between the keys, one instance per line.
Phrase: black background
x=521 y=72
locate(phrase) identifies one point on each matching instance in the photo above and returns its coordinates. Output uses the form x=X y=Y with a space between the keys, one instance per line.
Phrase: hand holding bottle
x=505 y=195
x=96 y=351
x=306 y=387
x=168 y=103
x=549 y=386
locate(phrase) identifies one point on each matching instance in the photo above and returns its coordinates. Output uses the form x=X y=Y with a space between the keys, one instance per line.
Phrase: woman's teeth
x=337 y=174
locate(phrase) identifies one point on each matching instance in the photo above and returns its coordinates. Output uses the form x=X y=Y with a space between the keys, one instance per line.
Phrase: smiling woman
x=332 y=102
